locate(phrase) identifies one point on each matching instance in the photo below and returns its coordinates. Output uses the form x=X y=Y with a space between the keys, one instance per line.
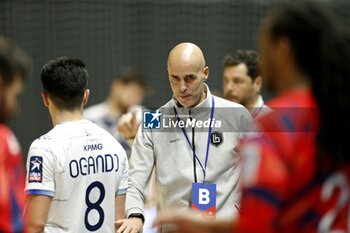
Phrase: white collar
x=259 y=103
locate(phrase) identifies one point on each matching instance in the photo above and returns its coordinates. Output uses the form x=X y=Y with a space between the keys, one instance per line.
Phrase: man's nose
x=183 y=85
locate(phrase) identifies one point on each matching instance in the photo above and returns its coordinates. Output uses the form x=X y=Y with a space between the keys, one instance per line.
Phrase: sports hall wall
x=109 y=35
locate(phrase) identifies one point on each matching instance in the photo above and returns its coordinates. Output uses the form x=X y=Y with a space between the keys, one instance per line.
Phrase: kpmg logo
x=151 y=120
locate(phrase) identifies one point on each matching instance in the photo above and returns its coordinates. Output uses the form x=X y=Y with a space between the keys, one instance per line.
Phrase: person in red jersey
x=12 y=176
x=296 y=172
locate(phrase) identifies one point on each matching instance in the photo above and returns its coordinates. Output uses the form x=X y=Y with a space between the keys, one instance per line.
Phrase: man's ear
x=206 y=73
x=45 y=98
x=258 y=83
x=86 y=96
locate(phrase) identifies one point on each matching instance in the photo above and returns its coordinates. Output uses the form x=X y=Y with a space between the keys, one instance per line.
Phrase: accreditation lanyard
x=208 y=140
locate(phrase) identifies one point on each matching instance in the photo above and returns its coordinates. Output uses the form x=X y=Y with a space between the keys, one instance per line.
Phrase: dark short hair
x=12 y=61
x=248 y=57
x=130 y=76
x=65 y=80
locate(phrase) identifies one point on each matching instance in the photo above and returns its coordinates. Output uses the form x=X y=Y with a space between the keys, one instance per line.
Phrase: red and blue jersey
x=12 y=179
x=286 y=188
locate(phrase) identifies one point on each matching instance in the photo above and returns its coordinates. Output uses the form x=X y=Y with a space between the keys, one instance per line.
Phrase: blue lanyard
x=208 y=141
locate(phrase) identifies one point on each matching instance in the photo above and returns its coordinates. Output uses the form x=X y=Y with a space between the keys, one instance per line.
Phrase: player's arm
x=120 y=207
x=40 y=186
x=120 y=197
x=141 y=164
x=265 y=181
x=37 y=212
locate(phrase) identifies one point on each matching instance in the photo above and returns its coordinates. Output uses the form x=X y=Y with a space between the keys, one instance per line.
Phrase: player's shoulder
x=8 y=140
x=104 y=135
x=294 y=98
x=95 y=129
x=44 y=140
x=58 y=135
x=295 y=117
x=4 y=131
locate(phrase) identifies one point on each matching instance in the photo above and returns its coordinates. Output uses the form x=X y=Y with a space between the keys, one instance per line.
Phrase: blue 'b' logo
x=204 y=198
x=151 y=120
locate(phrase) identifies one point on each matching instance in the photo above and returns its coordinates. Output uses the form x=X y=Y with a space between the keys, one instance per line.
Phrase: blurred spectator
x=126 y=95
x=13 y=70
x=242 y=81
x=128 y=125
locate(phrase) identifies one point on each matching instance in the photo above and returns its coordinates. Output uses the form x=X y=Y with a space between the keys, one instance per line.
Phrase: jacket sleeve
x=141 y=163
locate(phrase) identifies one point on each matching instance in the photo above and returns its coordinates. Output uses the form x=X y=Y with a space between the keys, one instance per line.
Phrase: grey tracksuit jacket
x=167 y=151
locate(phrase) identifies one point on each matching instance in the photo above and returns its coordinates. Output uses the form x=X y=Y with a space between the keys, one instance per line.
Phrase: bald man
x=192 y=145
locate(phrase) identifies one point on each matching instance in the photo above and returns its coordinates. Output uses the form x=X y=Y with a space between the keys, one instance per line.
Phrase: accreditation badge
x=204 y=198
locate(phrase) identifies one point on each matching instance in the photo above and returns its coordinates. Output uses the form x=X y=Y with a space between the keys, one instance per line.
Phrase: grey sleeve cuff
x=134 y=211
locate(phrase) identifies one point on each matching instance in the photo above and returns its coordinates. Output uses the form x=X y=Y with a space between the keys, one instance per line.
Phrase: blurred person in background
x=127 y=126
x=296 y=173
x=13 y=70
x=242 y=81
x=125 y=96
x=190 y=163
x=120 y=114
x=77 y=173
